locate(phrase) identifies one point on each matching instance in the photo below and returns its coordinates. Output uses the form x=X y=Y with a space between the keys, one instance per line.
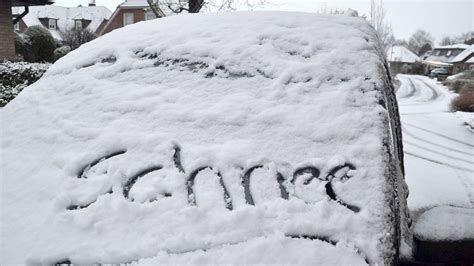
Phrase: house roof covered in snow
x=134 y=3
x=453 y=46
x=464 y=54
x=65 y=16
x=131 y=4
x=248 y=138
x=445 y=54
x=398 y=53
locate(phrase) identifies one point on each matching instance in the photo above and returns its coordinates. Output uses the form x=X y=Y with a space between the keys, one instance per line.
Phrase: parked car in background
x=440 y=73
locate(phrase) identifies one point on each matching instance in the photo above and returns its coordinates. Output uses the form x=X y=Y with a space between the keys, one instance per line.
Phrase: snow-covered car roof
x=259 y=137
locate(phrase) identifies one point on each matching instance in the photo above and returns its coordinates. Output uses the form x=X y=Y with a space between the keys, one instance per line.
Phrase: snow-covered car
x=437 y=72
x=264 y=137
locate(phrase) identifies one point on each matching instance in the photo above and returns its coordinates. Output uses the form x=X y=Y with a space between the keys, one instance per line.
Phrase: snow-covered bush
x=42 y=44
x=61 y=51
x=14 y=77
x=459 y=81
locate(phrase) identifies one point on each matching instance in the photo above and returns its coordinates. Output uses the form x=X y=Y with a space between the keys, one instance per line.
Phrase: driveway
x=439 y=148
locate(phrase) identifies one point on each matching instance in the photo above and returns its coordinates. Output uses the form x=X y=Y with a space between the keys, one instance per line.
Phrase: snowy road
x=439 y=149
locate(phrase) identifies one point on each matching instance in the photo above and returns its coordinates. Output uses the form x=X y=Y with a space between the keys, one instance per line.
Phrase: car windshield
x=243 y=134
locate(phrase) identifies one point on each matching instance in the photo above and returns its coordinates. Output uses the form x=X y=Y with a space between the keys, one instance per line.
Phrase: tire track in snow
x=408 y=133
x=434 y=91
x=437 y=162
x=412 y=90
x=440 y=135
x=416 y=92
x=437 y=152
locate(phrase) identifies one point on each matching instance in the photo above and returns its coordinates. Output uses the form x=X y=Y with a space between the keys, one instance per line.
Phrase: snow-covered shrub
x=14 y=77
x=459 y=81
x=41 y=42
x=61 y=51
x=465 y=100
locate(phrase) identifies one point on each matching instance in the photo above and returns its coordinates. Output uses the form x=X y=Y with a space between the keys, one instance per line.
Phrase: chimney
x=91 y=2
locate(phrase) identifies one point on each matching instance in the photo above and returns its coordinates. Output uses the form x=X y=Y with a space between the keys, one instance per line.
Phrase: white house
x=58 y=18
x=400 y=59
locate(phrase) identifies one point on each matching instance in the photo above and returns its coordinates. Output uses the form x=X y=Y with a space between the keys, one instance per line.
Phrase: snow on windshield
x=233 y=138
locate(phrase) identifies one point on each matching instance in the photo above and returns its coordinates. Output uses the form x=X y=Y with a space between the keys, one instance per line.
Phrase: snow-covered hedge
x=61 y=51
x=14 y=77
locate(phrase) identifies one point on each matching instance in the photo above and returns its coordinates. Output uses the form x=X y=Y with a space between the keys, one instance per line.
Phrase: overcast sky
x=439 y=17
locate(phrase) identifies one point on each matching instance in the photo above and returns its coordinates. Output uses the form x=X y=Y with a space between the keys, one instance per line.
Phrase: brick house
x=464 y=60
x=58 y=18
x=129 y=12
x=442 y=56
x=7 y=37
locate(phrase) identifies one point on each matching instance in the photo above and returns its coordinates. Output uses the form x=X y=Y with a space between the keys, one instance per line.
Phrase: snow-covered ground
x=439 y=148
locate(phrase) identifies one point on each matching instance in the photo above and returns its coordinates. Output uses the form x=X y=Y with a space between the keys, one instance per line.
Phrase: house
x=442 y=56
x=7 y=37
x=464 y=60
x=400 y=59
x=58 y=18
x=129 y=12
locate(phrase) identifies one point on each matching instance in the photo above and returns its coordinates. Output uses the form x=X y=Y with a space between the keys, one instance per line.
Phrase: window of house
x=438 y=53
x=449 y=53
x=78 y=24
x=52 y=24
x=149 y=15
x=16 y=26
x=127 y=19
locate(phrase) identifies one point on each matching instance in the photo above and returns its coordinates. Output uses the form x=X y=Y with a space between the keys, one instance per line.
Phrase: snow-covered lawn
x=439 y=150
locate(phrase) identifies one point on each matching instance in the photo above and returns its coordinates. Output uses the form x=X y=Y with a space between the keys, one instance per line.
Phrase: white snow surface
x=235 y=90
x=399 y=53
x=446 y=223
x=439 y=157
x=453 y=46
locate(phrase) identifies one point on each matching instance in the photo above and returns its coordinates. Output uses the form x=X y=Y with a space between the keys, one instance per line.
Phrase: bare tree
x=155 y=8
x=447 y=41
x=394 y=41
x=196 y=6
x=419 y=39
x=379 y=22
x=465 y=37
x=75 y=37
